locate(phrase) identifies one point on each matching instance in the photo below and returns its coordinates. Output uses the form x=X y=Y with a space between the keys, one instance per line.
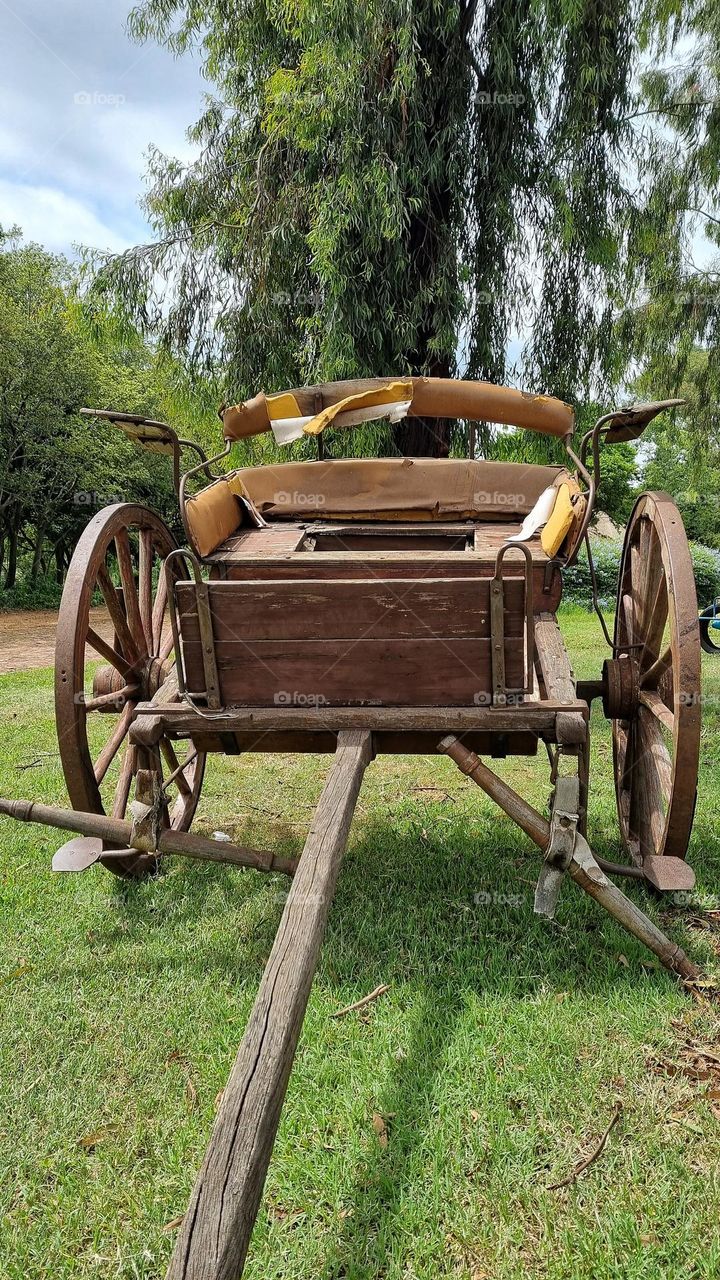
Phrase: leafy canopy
x=395 y=186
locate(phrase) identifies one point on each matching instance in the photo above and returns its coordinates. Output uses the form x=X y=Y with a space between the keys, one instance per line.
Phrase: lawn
x=495 y=1059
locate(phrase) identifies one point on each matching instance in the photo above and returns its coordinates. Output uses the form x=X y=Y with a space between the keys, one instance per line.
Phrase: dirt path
x=27 y=640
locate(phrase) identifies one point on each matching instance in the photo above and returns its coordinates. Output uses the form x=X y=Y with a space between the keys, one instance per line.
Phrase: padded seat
x=367 y=489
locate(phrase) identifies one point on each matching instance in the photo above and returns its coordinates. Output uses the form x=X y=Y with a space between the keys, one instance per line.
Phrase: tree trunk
x=59 y=563
x=11 y=578
x=37 y=554
x=430 y=227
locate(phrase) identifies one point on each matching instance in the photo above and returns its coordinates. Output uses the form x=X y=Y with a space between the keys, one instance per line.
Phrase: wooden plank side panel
x=351 y=608
x=547 y=592
x=394 y=672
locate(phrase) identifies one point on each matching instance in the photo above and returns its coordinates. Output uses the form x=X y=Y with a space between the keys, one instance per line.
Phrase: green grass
x=496 y=1057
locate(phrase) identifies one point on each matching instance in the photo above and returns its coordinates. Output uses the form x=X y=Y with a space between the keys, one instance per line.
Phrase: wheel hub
x=620 y=687
x=146 y=682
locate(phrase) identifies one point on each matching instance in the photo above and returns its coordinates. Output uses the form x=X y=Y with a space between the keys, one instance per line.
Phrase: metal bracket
x=500 y=693
x=202 y=600
x=564 y=820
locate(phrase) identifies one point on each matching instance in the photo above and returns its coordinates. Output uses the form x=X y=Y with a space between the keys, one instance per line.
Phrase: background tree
x=55 y=467
x=391 y=187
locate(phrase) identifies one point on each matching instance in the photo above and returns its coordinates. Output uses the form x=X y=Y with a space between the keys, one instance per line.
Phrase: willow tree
x=394 y=186
x=669 y=326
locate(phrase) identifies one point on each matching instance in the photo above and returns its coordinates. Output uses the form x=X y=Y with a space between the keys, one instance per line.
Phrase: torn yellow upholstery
x=560 y=522
x=430 y=397
x=389 y=394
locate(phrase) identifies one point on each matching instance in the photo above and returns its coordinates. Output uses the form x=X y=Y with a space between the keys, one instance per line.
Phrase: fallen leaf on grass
x=623 y=960
x=694 y=1062
x=289 y=1216
x=91 y=1140
x=174 y=1223
x=380 y=1128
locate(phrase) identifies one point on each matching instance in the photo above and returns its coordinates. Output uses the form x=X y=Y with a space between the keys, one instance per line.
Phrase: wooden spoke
x=111 y=748
x=130 y=591
x=177 y=771
x=666 y=688
x=145 y=586
x=128 y=693
x=656 y=746
x=117 y=615
x=159 y=611
x=106 y=651
x=628 y=611
x=166 y=647
x=653 y=633
x=122 y=790
x=650 y=678
x=655 y=705
x=92 y=740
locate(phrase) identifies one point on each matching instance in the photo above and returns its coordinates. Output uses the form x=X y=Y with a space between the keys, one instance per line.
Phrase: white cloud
x=73 y=170
x=56 y=220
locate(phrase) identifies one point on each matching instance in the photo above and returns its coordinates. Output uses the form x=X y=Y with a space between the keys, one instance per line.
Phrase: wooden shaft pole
x=119 y=833
x=583 y=868
x=216 y=1230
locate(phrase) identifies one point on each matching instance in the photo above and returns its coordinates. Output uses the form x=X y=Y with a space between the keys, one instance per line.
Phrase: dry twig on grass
x=360 y=1004
x=598 y=1150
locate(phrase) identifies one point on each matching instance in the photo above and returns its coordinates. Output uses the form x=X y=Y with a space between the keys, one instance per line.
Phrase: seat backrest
x=398 y=488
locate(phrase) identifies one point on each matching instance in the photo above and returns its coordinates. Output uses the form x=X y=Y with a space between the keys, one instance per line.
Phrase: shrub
x=43 y=594
x=606 y=556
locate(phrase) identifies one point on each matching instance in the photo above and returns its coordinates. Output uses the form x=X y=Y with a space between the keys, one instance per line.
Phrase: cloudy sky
x=79 y=106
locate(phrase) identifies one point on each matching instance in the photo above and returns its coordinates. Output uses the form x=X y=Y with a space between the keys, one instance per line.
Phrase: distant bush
x=706 y=563
x=606 y=556
x=45 y=593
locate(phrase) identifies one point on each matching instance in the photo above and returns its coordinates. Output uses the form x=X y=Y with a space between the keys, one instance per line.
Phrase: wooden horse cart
x=360 y=607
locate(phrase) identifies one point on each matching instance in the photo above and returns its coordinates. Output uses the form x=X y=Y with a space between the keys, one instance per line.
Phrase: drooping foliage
x=397 y=186
x=668 y=328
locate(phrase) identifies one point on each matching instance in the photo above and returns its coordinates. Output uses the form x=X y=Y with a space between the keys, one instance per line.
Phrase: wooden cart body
x=360 y=607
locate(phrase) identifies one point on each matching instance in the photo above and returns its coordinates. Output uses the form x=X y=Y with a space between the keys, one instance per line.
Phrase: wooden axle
x=118 y=833
x=583 y=868
x=215 y=1233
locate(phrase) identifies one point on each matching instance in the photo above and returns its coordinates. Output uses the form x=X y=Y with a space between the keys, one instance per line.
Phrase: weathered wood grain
x=401 y=672
x=373 y=608
x=386 y=564
x=215 y=1233
x=555 y=668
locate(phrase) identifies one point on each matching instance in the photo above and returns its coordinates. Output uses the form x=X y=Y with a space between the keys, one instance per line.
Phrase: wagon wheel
x=101 y=676
x=656 y=739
